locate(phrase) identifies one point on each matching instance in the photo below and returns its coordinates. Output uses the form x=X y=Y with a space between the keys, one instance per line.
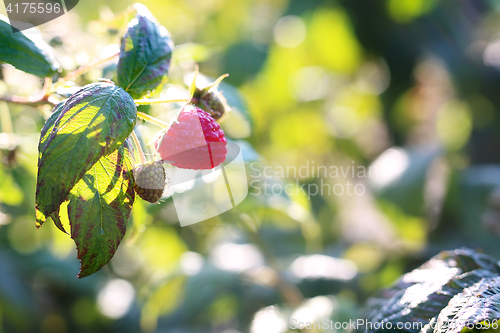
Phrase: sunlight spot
x=236 y=257
x=115 y=298
x=309 y=83
x=289 y=31
x=210 y=177
x=323 y=267
x=191 y=263
x=491 y=56
x=180 y=188
x=315 y=309
x=268 y=320
x=389 y=166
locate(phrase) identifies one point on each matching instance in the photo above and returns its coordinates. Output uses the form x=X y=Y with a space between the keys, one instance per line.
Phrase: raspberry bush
x=87 y=148
x=402 y=104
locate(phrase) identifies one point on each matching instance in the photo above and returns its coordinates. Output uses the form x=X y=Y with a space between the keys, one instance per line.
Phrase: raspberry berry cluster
x=194 y=141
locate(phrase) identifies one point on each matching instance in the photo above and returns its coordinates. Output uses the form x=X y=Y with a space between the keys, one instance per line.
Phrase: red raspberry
x=195 y=141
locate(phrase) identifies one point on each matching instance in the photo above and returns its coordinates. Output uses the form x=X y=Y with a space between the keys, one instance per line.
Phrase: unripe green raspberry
x=150 y=181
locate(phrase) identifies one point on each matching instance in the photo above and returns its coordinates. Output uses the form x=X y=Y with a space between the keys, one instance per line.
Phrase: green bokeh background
x=408 y=87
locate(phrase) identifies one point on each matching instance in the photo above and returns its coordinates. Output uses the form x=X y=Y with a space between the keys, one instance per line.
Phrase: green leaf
x=439 y=294
x=57 y=221
x=91 y=124
x=99 y=208
x=31 y=55
x=145 y=54
x=48 y=128
x=476 y=304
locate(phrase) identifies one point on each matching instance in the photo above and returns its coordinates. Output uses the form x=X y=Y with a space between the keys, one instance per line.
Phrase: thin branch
x=137 y=143
x=146 y=101
x=153 y=120
x=83 y=69
x=39 y=99
x=217 y=81
x=192 y=87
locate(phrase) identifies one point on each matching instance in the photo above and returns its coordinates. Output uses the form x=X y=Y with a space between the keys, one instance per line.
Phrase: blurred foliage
x=399 y=97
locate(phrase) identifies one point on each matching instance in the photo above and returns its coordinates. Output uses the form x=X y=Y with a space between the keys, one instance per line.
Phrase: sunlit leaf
x=99 y=208
x=48 y=127
x=57 y=221
x=89 y=125
x=145 y=54
x=476 y=304
x=62 y=245
x=443 y=288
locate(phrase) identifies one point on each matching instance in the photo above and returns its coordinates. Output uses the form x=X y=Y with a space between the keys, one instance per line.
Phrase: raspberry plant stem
x=146 y=101
x=137 y=143
x=217 y=81
x=192 y=87
x=43 y=97
x=153 y=120
x=83 y=69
